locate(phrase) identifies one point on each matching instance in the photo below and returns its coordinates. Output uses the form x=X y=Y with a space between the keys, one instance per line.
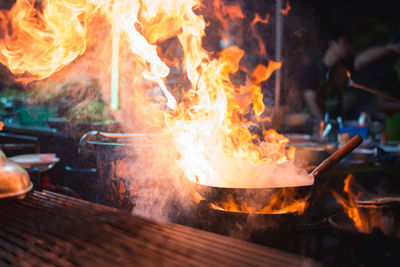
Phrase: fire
x=210 y=122
x=350 y=206
x=348 y=74
x=287 y=9
x=257 y=19
x=283 y=202
x=228 y=15
x=37 y=44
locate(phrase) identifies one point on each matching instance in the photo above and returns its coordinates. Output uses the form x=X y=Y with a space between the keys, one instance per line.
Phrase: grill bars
x=47 y=229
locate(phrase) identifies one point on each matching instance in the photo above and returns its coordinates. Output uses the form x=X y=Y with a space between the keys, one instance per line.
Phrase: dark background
x=348 y=12
x=367 y=23
x=372 y=21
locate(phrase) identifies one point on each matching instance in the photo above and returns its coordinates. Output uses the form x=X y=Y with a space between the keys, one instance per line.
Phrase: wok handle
x=337 y=156
x=83 y=142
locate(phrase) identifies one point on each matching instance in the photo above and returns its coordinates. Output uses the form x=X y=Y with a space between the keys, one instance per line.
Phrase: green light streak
x=114 y=98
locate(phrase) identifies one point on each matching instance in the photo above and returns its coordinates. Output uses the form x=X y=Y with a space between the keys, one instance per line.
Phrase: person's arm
x=374 y=53
x=310 y=97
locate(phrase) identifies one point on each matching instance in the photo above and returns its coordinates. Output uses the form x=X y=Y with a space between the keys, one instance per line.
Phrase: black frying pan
x=380 y=247
x=261 y=197
x=380 y=217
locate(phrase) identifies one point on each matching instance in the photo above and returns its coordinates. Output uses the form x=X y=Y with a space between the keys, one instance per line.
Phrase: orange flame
x=350 y=206
x=37 y=44
x=287 y=9
x=348 y=74
x=261 y=47
x=257 y=19
x=226 y=14
x=211 y=121
x=284 y=202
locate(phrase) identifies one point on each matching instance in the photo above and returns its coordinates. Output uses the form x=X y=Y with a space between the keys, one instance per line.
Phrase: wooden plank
x=94 y=234
x=219 y=242
x=232 y=249
x=241 y=246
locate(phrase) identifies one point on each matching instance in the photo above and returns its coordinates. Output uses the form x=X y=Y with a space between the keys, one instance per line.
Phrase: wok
x=375 y=230
x=379 y=247
x=258 y=198
x=381 y=218
x=376 y=248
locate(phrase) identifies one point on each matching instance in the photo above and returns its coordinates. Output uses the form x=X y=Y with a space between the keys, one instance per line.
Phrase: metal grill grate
x=46 y=228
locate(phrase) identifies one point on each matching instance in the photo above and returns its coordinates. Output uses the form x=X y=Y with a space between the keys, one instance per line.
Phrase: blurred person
x=379 y=68
x=323 y=77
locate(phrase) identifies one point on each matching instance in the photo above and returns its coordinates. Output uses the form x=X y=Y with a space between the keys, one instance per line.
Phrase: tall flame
x=211 y=121
x=350 y=206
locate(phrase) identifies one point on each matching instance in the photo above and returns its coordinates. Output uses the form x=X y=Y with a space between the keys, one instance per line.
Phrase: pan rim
x=16 y=193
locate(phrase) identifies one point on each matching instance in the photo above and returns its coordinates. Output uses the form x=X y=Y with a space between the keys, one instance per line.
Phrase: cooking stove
x=308 y=235
x=301 y=235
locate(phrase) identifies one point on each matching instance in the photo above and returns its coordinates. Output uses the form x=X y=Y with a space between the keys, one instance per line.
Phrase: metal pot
x=381 y=214
x=379 y=245
x=261 y=197
x=361 y=155
x=310 y=154
x=116 y=186
x=366 y=249
x=380 y=217
x=381 y=223
x=14 y=180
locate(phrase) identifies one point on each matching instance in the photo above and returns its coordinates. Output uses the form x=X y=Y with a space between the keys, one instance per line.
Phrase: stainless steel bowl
x=310 y=153
x=14 y=180
x=381 y=213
